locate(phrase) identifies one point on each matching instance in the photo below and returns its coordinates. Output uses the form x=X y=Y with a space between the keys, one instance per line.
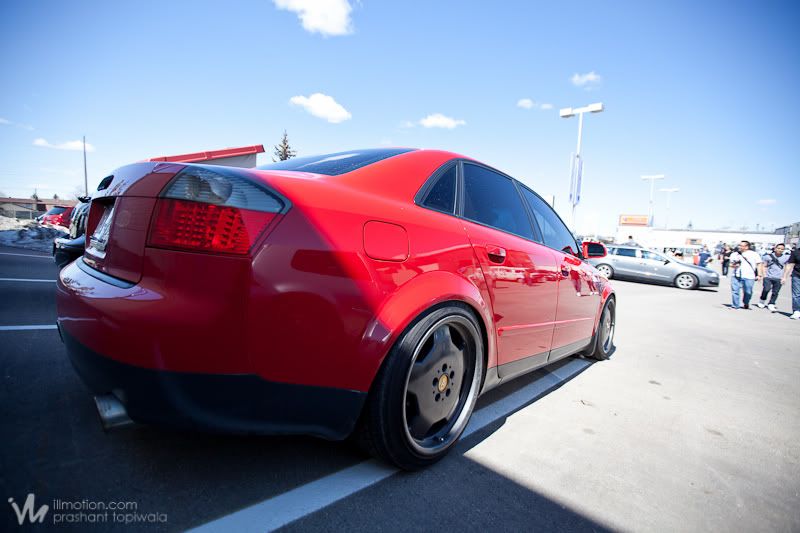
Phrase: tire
x=686 y=281
x=424 y=394
x=605 y=270
x=604 y=336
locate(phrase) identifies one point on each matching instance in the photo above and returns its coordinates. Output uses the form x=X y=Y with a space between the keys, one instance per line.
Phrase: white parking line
x=28 y=255
x=29 y=280
x=280 y=510
x=28 y=328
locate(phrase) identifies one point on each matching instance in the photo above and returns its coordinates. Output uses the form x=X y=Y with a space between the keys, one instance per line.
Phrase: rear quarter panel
x=333 y=310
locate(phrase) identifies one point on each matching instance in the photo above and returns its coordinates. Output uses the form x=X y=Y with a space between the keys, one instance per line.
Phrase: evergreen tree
x=55 y=197
x=283 y=151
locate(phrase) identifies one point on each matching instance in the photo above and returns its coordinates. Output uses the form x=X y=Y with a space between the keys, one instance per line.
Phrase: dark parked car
x=376 y=291
x=68 y=249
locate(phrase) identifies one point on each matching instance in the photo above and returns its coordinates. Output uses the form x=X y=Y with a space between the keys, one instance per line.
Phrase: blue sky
x=703 y=92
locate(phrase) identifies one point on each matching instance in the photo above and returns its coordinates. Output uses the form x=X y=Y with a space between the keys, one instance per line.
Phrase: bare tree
x=283 y=151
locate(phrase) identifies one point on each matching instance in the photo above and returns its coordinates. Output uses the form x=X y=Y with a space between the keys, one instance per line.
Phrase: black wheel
x=605 y=270
x=424 y=394
x=604 y=336
x=686 y=281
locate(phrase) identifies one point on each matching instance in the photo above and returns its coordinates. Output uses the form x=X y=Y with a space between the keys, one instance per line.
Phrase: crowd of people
x=774 y=268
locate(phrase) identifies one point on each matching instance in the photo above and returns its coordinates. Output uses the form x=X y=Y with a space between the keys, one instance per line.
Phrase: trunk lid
x=119 y=218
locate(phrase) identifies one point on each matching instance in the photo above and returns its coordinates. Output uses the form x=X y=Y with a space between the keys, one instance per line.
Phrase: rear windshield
x=338 y=163
x=56 y=210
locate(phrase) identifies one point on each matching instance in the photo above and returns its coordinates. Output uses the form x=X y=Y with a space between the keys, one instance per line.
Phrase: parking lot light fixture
x=652 y=179
x=669 y=196
x=576 y=165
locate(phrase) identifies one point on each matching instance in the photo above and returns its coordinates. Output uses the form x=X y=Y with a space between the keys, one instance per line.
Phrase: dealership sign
x=633 y=220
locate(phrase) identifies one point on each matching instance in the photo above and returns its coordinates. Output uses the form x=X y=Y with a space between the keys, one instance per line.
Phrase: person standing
x=744 y=262
x=703 y=258
x=725 y=257
x=771 y=267
x=792 y=269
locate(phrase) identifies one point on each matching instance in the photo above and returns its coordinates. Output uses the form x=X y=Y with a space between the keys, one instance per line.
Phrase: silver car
x=631 y=262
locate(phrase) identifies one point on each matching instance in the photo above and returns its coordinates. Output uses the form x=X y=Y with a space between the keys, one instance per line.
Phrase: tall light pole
x=576 y=170
x=652 y=180
x=85 y=174
x=669 y=196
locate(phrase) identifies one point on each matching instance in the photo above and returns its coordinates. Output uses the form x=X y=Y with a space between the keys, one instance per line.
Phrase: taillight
x=212 y=211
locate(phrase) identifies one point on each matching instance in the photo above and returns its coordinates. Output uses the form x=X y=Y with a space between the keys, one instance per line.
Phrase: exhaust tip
x=112 y=413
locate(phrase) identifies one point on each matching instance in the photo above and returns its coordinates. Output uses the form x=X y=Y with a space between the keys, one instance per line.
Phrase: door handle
x=496 y=253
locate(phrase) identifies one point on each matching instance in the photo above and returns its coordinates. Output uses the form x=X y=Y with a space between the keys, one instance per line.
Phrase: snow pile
x=12 y=223
x=27 y=234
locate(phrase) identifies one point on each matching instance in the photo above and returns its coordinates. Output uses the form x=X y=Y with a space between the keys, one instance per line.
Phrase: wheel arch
x=412 y=302
x=607 y=294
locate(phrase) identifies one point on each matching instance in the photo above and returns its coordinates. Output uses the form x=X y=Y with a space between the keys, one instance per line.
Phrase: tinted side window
x=555 y=233
x=442 y=195
x=627 y=252
x=492 y=199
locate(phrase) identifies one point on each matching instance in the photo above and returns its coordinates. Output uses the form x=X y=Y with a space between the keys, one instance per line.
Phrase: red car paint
x=327 y=287
x=59 y=219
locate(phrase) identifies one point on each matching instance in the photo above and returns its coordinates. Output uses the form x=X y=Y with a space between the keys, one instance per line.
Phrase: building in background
x=244 y=157
x=28 y=208
x=647 y=236
x=790 y=233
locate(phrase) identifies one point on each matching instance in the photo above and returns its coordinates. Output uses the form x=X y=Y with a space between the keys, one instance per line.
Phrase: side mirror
x=594 y=250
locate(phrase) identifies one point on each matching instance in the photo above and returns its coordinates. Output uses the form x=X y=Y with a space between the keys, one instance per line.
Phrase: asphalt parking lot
x=693 y=425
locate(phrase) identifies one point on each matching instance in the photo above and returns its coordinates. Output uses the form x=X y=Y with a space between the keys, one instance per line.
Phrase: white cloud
x=406 y=124
x=327 y=17
x=6 y=122
x=322 y=106
x=69 y=145
x=437 y=120
x=588 y=81
x=525 y=103
x=767 y=201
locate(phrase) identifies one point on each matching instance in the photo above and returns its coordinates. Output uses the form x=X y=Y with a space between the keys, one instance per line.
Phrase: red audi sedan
x=375 y=291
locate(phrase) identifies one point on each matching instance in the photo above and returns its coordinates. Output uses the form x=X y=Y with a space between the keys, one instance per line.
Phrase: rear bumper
x=230 y=403
x=67 y=250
